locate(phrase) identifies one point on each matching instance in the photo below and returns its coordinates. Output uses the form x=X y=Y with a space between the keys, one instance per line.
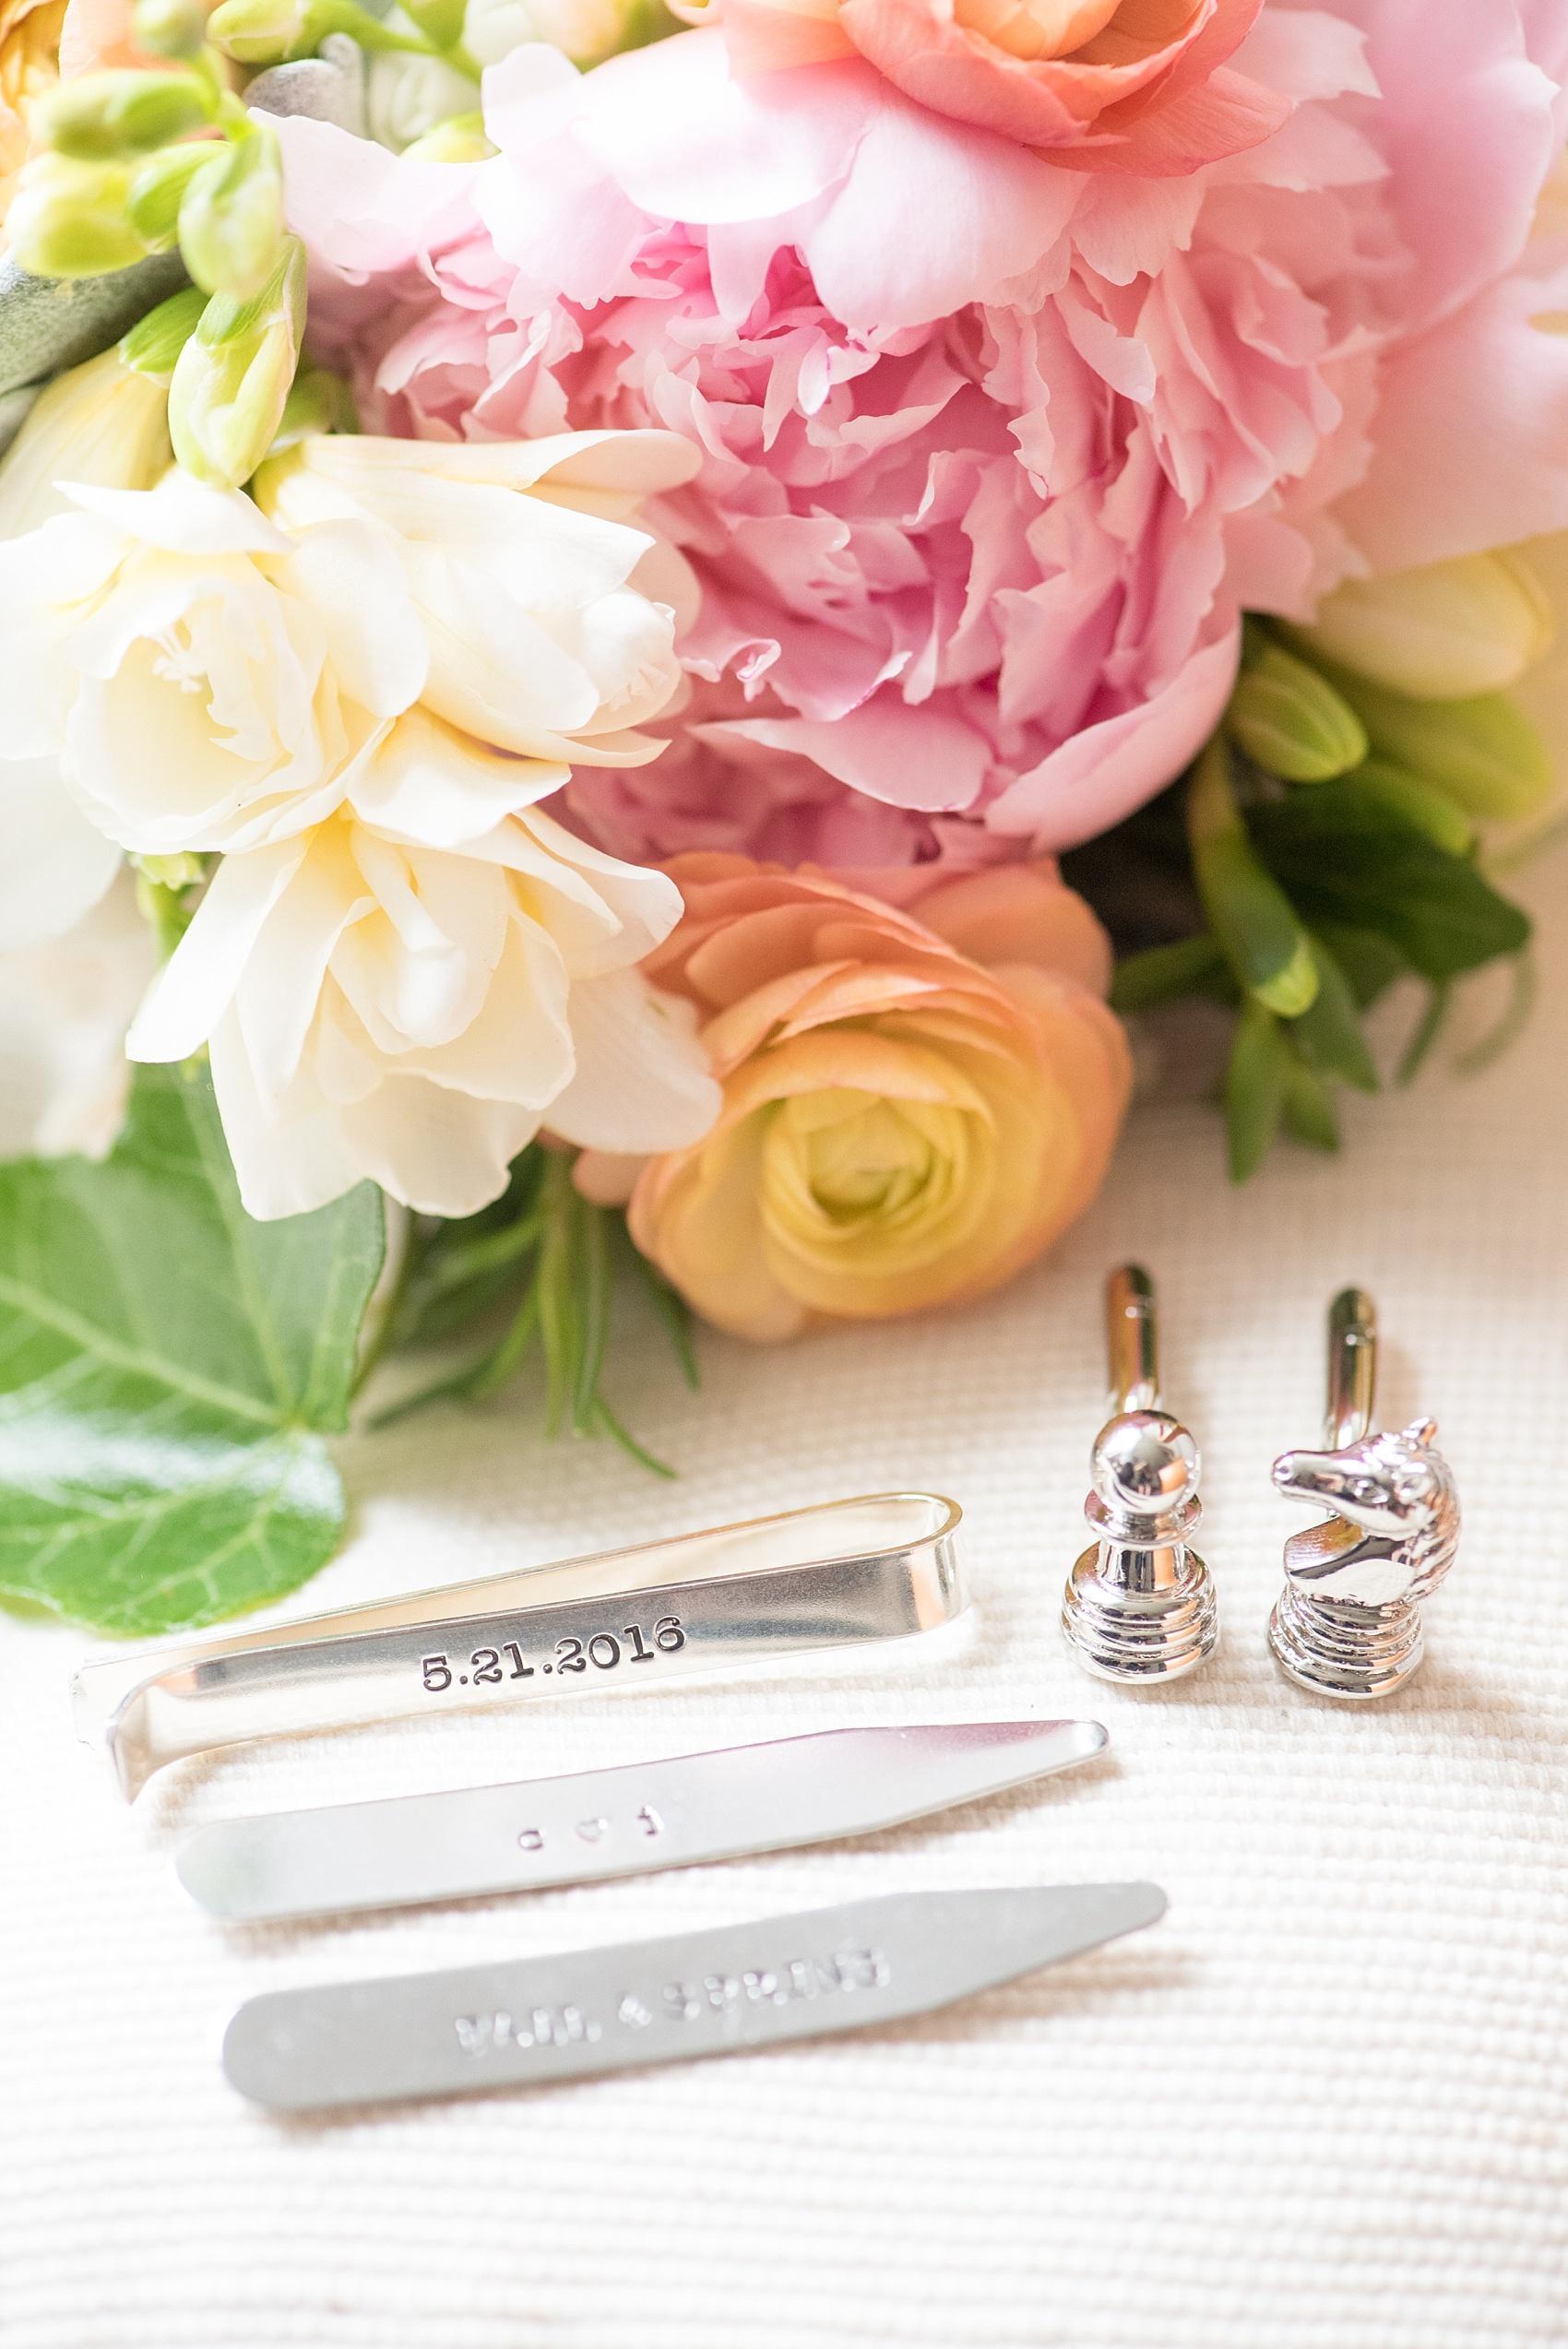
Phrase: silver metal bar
x=533 y=2019
x=597 y=1823
x=848 y=1575
x=1131 y=1339
x=1352 y=1368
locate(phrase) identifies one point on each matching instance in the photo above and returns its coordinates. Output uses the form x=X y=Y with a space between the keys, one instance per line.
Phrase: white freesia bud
x=379 y=1008
x=1441 y=633
x=233 y=376
x=208 y=673
x=460 y=139
x=589 y=31
x=232 y=216
x=407 y=98
x=71 y=220
x=104 y=424
x=65 y=1008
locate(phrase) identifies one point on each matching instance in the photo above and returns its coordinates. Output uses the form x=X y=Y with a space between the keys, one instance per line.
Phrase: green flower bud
x=154 y=344
x=232 y=379
x=69 y=220
x=158 y=190
x=169 y=28
x=180 y=871
x=231 y=218
x=1289 y=720
x=461 y=140
x=1256 y=924
x=263 y=33
x=97 y=118
x=1484 y=754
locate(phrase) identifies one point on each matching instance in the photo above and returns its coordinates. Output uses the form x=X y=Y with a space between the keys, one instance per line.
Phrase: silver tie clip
x=533 y=2019
x=841 y=1577
x=601 y=1823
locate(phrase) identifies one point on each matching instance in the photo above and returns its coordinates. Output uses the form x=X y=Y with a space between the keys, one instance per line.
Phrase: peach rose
x=1123 y=85
x=913 y=1108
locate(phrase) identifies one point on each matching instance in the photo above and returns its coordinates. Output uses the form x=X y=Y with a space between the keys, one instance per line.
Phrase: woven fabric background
x=1321 y=2106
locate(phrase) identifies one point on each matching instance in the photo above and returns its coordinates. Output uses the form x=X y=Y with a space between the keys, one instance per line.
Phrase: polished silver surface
x=1139 y=1605
x=841 y=1578
x=1131 y=1339
x=716 y=1992
x=599 y=1823
x=1348 y=1623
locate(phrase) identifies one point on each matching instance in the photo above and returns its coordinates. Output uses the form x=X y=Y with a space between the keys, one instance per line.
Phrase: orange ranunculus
x=1123 y=85
x=40 y=41
x=29 y=64
x=913 y=1108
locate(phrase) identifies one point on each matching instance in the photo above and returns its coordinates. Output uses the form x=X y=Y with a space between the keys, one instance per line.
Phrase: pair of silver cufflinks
x=1139 y=1605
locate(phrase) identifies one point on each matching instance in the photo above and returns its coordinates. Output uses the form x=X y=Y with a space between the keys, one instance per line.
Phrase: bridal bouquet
x=626 y=646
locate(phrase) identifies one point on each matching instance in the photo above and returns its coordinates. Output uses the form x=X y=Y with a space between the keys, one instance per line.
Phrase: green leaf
x=1516 y=1015
x=1309 y=1108
x=167 y=1368
x=1329 y=1031
x=1256 y=1086
x=1370 y=963
x=541 y=1262
x=1429 y=1028
x=1410 y=800
x=1166 y=974
x=1346 y=859
x=1253 y=918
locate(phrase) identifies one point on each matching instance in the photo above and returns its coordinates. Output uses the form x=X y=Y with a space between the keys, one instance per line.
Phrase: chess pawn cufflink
x=1139 y=1605
x=1349 y=1621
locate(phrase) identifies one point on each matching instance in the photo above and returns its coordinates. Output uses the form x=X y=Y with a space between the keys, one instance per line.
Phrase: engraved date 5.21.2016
x=487 y=1666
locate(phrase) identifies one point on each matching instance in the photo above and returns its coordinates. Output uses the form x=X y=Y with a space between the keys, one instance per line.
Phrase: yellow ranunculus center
x=864 y=1182
x=1036 y=28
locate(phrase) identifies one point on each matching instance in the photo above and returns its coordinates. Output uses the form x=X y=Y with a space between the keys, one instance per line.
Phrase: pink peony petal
x=909 y=758
x=1109 y=769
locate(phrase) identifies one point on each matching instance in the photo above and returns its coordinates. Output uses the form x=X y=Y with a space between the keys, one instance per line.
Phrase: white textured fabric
x=1321 y=2106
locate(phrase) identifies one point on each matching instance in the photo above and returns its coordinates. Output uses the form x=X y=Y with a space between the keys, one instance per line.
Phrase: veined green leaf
x=167 y=1368
x=1264 y=944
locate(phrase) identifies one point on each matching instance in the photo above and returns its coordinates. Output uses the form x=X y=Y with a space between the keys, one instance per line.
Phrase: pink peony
x=1117 y=85
x=994 y=452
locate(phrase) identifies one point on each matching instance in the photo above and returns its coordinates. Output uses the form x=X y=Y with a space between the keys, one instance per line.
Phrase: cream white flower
x=65 y=1008
x=103 y=423
x=379 y=1007
x=519 y=557
x=1445 y=632
x=209 y=674
x=55 y=865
